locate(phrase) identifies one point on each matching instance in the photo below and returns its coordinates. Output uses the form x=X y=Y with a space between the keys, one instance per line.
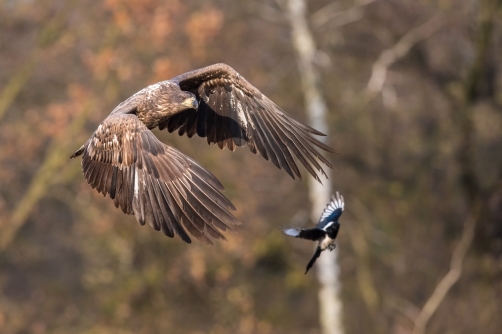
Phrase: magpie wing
x=332 y=212
x=314 y=234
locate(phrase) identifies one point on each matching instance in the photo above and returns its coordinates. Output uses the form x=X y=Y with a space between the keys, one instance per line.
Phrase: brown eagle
x=168 y=190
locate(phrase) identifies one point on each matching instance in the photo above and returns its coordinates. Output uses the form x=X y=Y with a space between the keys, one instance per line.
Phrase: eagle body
x=165 y=188
x=325 y=231
x=157 y=103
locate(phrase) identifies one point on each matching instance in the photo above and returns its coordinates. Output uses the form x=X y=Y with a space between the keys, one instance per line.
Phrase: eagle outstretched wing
x=232 y=112
x=155 y=182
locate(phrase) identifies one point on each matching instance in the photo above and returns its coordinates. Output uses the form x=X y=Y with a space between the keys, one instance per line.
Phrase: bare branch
x=468 y=179
x=330 y=12
x=16 y=83
x=451 y=277
x=57 y=155
x=403 y=306
x=399 y=50
x=267 y=13
x=48 y=35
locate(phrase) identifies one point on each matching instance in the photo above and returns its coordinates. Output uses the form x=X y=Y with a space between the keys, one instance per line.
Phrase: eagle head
x=190 y=102
x=163 y=100
x=182 y=100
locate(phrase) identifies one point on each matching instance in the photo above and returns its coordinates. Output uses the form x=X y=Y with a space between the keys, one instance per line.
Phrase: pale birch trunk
x=330 y=305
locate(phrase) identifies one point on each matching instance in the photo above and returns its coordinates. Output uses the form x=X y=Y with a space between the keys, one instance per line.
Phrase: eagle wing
x=155 y=182
x=232 y=112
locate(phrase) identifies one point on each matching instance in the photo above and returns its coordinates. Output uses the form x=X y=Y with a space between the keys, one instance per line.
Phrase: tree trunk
x=330 y=305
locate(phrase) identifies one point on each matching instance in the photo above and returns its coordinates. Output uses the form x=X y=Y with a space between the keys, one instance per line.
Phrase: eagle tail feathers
x=78 y=152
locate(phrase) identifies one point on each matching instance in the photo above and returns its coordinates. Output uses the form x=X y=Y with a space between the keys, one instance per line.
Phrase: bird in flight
x=325 y=231
x=165 y=188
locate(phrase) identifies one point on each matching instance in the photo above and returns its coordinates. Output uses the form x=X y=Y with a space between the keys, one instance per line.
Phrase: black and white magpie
x=325 y=231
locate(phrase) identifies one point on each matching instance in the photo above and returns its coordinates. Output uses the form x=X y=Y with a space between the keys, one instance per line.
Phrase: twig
x=330 y=12
x=41 y=182
x=48 y=36
x=16 y=83
x=398 y=51
x=451 y=277
x=57 y=155
x=468 y=178
x=268 y=13
x=403 y=306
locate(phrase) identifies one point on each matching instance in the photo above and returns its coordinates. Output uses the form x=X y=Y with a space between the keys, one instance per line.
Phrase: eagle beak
x=191 y=102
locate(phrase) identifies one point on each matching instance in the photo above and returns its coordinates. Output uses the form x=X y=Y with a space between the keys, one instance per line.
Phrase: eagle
x=161 y=186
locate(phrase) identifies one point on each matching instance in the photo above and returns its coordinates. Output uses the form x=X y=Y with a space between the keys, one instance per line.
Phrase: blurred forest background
x=415 y=110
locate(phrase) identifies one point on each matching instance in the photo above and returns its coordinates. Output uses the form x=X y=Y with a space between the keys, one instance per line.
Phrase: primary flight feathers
x=170 y=191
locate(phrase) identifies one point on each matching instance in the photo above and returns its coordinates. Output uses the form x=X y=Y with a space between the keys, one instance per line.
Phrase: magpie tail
x=314 y=258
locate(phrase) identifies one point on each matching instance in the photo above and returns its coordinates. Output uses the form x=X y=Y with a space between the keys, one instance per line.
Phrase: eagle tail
x=78 y=152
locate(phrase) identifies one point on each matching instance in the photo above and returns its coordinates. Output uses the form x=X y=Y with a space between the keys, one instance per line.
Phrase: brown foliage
x=74 y=263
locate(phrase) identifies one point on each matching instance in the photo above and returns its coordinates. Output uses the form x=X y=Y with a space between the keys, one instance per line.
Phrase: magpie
x=325 y=231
